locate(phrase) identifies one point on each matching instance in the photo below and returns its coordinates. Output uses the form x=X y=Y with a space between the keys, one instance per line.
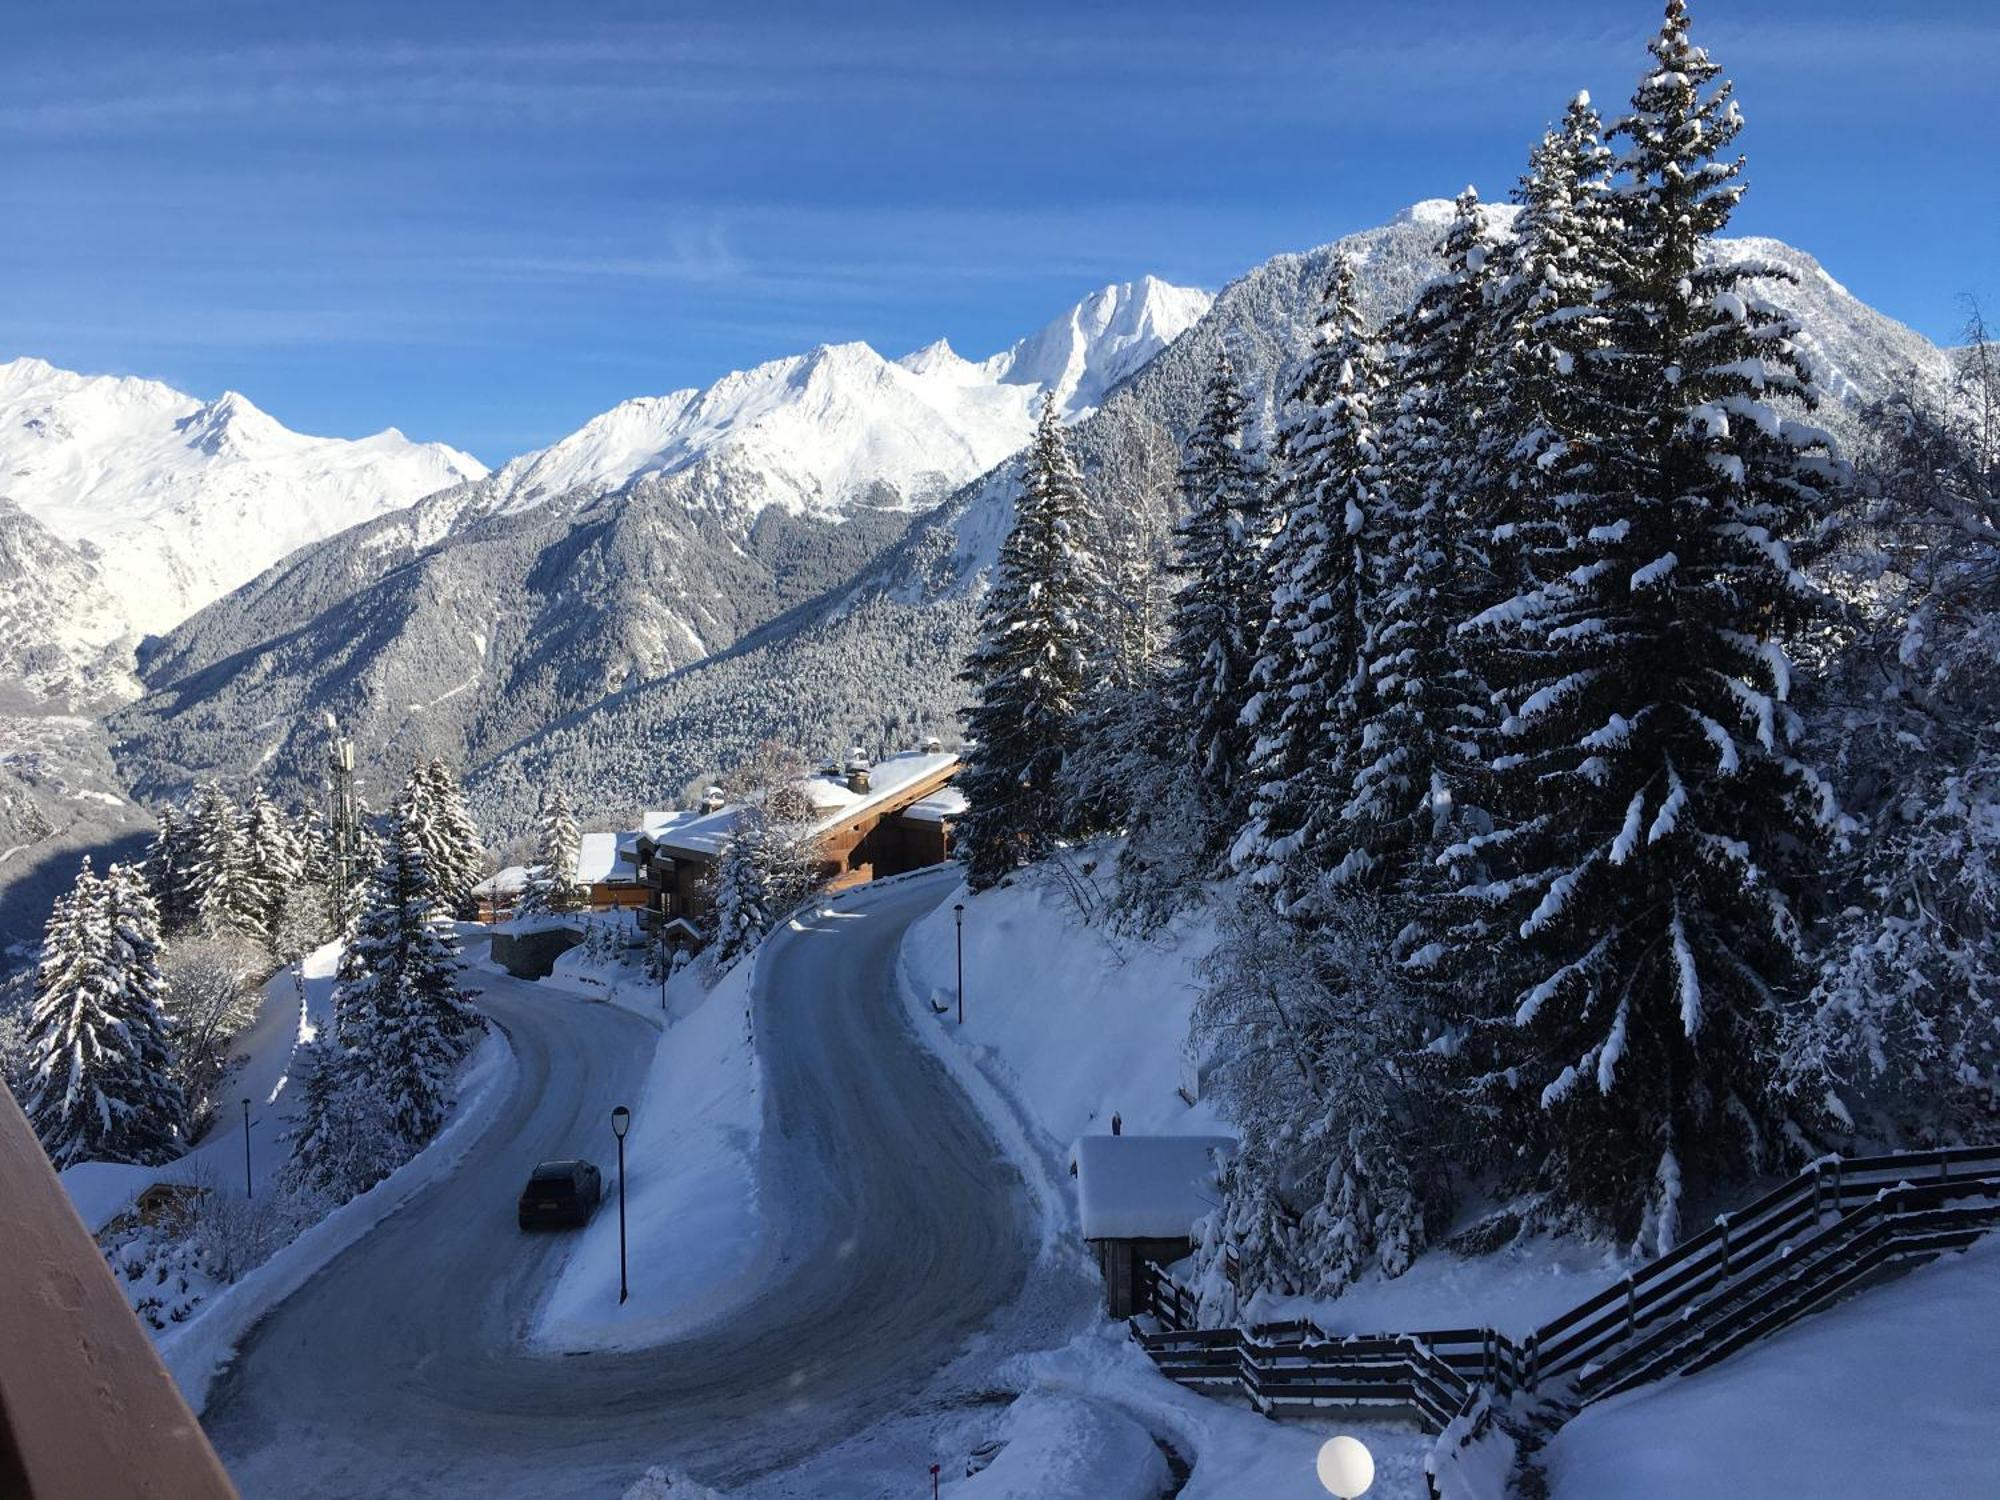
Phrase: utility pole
x=246 y=1149
x=343 y=822
x=958 y=913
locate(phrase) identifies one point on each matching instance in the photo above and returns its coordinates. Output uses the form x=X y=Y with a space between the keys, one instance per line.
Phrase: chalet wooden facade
x=874 y=819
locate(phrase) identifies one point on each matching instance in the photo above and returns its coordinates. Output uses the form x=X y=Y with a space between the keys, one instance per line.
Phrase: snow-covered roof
x=940 y=806
x=596 y=857
x=607 y=858
x=888 y=779
x=701 y=834
x=1146 y=1187
x=509 y=882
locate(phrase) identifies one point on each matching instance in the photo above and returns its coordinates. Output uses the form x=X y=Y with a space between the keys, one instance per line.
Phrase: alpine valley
x=796 y=551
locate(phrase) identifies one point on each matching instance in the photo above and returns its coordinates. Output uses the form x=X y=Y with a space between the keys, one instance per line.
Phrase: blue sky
x=484 y=221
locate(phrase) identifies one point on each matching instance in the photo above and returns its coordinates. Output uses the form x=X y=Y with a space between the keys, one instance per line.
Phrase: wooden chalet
x=872 y=819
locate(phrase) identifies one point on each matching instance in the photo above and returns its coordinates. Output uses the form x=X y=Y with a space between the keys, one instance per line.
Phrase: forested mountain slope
x=876 y=662
x=659 y=533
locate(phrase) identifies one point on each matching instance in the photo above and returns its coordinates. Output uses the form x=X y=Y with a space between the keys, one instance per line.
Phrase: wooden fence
x=1820 y=1235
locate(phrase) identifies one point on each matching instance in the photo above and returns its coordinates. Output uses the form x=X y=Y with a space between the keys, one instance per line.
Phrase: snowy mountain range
x=176 y=500
x=659 y=533
x=823 y=431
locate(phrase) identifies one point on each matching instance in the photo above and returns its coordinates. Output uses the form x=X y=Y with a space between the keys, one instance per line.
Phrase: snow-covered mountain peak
x=184 y=499
x=939 y=358
x=815 y=432
x=1100 y=341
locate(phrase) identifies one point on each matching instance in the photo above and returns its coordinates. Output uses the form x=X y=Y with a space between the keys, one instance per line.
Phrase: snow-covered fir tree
x=1653 y=817
x=450 y=837
x=1541 y=318
x=1321 y=577
x=222 y=884
x=1031 y=669
x=766 y=869
x=273 y=863
x=341 y=1141
x=399 y=1008
x=103 y=1086
x=169 y=869
x=1219 y=609
x=1317 y=1046
x=552 y=885
x=1423 y=706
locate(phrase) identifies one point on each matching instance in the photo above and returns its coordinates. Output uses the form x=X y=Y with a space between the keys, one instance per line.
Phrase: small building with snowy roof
x=495 y=897
x=1139 y=1198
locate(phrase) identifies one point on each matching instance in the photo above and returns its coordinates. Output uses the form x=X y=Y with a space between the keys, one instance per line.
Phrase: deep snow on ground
x=1893 y=1393
x=1075 y=1021
x=1515 y=1290
x=692 y=1222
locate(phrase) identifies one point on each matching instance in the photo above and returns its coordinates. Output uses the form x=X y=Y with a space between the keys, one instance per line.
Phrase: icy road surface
x=896 y=1229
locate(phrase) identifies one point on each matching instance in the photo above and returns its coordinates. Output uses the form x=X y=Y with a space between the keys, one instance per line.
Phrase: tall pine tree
x=102 y=1080
x=1322 y=577
x=1030 y=670
x=450 y=837
x=552 y=886
x=399 y=1008
x=1423 y=705
x=1218 y=612
x=1652 y=814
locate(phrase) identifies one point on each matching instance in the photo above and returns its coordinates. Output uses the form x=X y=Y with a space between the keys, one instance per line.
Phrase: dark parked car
x=561 y=1195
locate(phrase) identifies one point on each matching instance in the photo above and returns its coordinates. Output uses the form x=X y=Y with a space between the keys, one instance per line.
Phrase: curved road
x=399 y=1370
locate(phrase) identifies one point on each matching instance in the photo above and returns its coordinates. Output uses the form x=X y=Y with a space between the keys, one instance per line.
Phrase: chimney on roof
x=713 y=799
x=933 y=745
x=858 y=766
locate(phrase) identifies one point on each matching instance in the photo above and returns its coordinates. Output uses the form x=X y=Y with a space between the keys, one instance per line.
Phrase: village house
x=870 y=819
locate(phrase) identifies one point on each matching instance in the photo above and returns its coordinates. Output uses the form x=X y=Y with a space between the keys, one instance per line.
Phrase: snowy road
x=896 y=1228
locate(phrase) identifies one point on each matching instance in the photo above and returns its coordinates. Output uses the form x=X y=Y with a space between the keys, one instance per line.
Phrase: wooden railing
x=86 y=1408
x=1759 y=1268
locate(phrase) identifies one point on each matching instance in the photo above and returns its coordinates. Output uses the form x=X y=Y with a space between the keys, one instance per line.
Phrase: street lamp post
x=958 y=915
x=621 y=1121
x=664 y=965
x=246 y=1148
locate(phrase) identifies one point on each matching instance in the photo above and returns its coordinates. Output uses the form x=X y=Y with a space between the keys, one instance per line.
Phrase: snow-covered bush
x=1316 y=1052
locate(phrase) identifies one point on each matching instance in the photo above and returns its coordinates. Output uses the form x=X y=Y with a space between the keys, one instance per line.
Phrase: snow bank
x=1074 y=1022
x=1062 y=1444
x=1237 y=1452
x=693 y=1222
x=1515 y=1290
x=197 y=1351
x=1893 y=1393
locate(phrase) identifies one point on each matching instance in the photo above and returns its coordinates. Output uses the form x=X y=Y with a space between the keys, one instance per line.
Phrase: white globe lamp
x=1346 y=1467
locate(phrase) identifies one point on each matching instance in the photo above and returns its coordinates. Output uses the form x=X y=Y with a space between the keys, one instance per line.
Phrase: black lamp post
x=621 y=1121
x=664 y=965
x=958 y=915
x=246 y=1148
